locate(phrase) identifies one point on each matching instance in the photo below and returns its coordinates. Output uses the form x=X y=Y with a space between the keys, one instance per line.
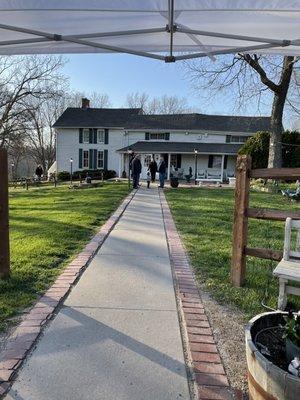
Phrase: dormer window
x=236 y=139
x=86 y=135
x=100 y=135
x=157 y=136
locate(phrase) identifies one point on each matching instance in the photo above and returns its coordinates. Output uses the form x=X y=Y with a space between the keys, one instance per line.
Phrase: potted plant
x=174 y=181
x=266 y=359
x=292 y=335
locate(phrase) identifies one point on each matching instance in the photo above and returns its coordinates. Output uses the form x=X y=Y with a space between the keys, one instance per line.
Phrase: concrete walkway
x=117 y=336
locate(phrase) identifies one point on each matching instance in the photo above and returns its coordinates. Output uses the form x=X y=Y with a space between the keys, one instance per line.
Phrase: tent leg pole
x=4 y=224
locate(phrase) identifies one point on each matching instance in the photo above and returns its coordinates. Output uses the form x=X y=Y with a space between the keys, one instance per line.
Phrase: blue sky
x=117 y=75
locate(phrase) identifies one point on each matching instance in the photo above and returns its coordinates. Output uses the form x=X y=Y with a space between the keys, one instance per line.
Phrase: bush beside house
x=93 y=173
x=257 y=147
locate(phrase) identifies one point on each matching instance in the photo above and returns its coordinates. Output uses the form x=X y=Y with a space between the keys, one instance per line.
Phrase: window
x=85 y=163
x=157 y=136
x=174 y=159
x=236 y=139
x=100 y=136
x=215 y=162
x=147 y=160
x=86 y=136
x=100 y=159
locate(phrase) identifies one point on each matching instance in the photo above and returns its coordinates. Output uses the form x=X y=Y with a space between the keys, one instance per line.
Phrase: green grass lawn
x=48 y=226
x=204 y=219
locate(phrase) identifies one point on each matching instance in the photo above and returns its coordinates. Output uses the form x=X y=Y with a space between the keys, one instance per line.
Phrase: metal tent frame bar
x=171 y=29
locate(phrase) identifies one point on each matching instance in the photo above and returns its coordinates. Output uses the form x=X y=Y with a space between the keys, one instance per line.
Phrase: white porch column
x=169 y=166
x=121 y=164
x=222 y=167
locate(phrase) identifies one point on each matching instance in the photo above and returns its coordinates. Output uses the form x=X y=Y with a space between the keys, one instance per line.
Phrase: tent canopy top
x=167 y=30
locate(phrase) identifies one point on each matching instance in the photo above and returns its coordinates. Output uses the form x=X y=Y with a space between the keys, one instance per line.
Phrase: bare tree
x=40 y=134
x=98 y=100
x=137 y=100
x=22 y=80
x=16 y=152
x=157 y=105
x=169 y=105
x=251 y=78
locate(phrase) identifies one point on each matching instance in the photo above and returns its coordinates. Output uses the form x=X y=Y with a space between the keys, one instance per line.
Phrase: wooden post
x=4 y=230
x=240 y=223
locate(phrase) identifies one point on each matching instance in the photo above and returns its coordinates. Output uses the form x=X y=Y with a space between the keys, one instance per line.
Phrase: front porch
x=187 y=161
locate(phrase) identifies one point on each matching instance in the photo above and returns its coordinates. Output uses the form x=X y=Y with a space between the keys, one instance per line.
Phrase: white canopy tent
x=167 y=30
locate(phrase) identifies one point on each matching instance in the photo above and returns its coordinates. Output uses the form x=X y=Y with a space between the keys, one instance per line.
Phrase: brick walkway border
x=207 y=368
x=24 y=338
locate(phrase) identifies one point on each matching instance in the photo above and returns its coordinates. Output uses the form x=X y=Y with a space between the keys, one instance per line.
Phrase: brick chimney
x=85 y=103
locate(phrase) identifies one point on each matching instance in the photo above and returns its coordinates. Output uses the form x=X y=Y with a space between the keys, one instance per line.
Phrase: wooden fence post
x=240 y=223
x=4 y=229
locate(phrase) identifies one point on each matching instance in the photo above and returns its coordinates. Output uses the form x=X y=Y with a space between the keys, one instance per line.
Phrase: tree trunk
x=275 y=150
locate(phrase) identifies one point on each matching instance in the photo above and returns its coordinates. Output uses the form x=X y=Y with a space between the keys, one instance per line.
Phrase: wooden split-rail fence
x=242 y=212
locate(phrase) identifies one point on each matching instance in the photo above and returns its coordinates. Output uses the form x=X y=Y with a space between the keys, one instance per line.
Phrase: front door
x=145 y=159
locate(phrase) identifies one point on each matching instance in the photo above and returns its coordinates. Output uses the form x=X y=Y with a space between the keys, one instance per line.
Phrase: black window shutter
x=80 y=158
x=147 y=136
x=91 y=135
x=228 y=137
x=105 y=159
x=95 y=136
x=210 y=161
x=95 y=159
x=91 y=153
x=178 y=160
x=167 y=136
x=225 y=162
x=105 y=136
x=80 y=135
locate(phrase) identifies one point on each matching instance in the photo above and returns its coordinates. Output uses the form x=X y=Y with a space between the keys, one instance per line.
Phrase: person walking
x=153 y=169
x=39 y=172
x=136 y=171
x=162 y=171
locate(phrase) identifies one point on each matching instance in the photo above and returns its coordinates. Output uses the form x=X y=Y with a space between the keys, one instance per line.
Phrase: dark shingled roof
x=182 y=147
x=200 y=122
x=132 y=118
x=95 y=117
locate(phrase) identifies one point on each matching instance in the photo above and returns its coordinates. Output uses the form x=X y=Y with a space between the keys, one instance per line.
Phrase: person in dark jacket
x=162 y=168
x=39 y=172
x=153 y=169
x=136 y=171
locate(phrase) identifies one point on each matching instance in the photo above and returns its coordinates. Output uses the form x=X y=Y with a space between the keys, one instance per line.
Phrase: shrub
x=95 y=174
x=257 y=147
x=63 y=176
x=291 y=149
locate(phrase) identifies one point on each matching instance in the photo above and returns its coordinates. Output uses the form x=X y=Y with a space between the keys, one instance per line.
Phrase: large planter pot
x=292 y=351
x=174 y=182
x=266 y=380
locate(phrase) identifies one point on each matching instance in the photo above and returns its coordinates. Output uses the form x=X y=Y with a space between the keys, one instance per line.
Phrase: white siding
x=115 y=142
x=188 y=161
x=202 y=163
x=179 y=136
x=68 y=146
